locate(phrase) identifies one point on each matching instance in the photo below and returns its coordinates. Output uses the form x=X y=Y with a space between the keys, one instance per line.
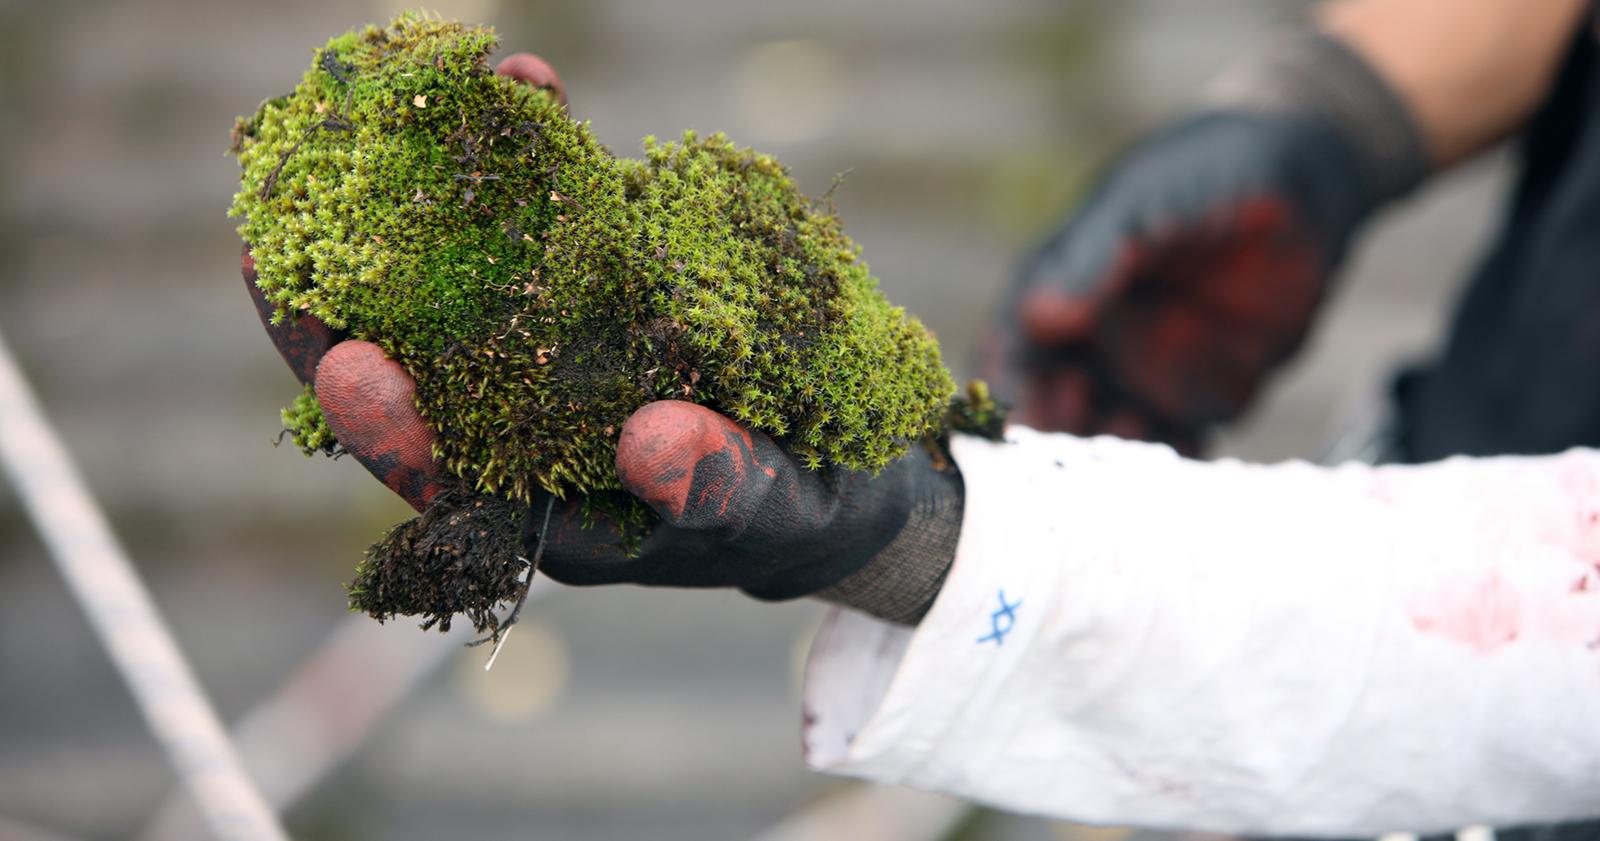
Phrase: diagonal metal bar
x=14 y=830
x=886 y=813
x=324 y=712
x=124 y=617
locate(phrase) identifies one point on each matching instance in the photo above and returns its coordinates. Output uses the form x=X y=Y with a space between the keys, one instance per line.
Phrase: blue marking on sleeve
x=1001 y=621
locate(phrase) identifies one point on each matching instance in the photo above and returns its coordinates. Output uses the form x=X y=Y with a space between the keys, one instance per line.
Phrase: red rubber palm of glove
x=1192 y=271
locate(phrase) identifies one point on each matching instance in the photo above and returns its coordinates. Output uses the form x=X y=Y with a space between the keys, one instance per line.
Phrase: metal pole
x=120 y=609
x=14 y=830
x=331 y=704
x=887 y=813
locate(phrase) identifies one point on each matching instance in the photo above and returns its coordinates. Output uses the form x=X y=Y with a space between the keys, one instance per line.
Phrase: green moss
x=975 y=412
x=306 y=427
x=462 y=555
x=540 y=290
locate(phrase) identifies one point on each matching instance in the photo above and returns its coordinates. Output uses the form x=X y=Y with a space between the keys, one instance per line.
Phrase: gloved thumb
x=699 y=470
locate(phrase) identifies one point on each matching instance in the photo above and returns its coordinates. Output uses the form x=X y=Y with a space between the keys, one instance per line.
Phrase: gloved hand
x=1197 y=264
x=736 y=509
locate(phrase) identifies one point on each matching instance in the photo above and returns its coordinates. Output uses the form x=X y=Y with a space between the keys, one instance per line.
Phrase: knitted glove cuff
x=1314 y=74
x=900 y=583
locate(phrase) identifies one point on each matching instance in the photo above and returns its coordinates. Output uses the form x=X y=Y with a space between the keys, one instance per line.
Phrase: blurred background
x=966 y=130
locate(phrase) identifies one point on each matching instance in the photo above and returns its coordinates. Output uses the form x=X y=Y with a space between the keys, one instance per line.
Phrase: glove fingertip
x=694 y=467
x=535 y=71
x=369 y=402
x=656 y=454
x=1051 y=317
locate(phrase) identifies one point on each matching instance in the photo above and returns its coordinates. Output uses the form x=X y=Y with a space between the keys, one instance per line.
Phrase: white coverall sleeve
x=1130 y=637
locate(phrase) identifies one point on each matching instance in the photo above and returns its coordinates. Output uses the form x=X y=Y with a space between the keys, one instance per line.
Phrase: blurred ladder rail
x=323 y=713
x=120 y=609
x=319 y=717
x=14 y=830
x=882 y=813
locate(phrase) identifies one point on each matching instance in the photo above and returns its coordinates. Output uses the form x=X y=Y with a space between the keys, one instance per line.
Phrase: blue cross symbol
x=1002 y=621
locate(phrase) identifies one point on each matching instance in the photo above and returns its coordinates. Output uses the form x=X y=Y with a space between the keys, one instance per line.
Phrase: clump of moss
x=304 y=424
x=540 y=289
x=462 y=555
x=975 y=412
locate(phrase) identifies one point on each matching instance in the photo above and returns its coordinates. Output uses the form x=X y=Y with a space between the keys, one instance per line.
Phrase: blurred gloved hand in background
x=1197 y=263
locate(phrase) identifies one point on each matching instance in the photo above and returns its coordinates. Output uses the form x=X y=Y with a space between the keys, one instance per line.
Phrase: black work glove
x=1197 y=264
x=736 y=509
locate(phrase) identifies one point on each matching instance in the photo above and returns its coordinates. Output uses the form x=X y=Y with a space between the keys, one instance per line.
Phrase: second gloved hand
x=1198 y=262
x=1192 y=270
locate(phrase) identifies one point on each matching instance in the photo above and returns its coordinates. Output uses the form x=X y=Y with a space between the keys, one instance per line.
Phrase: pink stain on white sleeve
x=1488 y=613
x=1581 y=484
x=1483 y=615
x=1381 y=489
x=1549 y=593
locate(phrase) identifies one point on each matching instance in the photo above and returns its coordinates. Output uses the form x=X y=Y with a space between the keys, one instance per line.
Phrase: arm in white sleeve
x=1130 y=637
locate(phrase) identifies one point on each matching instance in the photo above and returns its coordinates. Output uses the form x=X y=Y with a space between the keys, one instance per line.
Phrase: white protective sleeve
x=1134 y=638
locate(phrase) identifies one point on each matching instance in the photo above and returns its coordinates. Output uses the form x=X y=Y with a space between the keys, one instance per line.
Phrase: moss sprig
x=306 y=427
